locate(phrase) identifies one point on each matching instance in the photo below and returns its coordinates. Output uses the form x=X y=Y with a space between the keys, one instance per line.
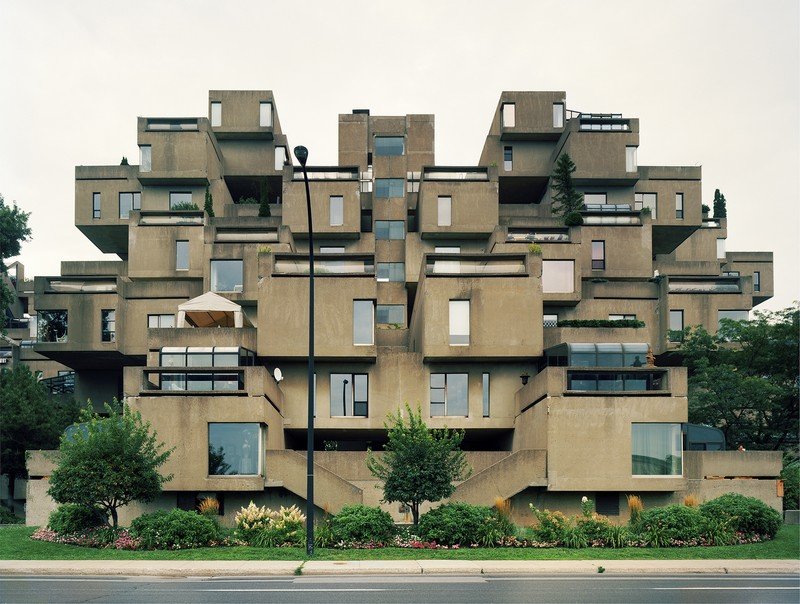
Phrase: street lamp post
x=301 y=153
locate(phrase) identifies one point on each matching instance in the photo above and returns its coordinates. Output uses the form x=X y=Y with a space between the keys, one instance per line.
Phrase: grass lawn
x=15 y=544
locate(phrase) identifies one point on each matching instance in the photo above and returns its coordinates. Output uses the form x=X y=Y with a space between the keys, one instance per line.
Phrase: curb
x=258 y=568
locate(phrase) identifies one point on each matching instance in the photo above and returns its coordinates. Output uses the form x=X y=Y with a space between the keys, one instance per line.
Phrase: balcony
x=475 y=265
x=171 y=218
x=610 y=214
x=603 y=122
x=60 y=384
x=195 y=381
x=331 y=265
x=177 y=124
x=518 y=235
x=84 y=285
x=456 y=173
x=704 y=285
x=628 y=381
x=335 y=173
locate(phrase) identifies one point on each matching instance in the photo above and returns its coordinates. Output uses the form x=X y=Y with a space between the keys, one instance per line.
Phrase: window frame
x=444 y=391
x=455 y=322
x=676 y=447
x=97 y=201
x=259 y=453
x=178 y=248
x=756 y=281
x=559 y=111
x=387 y=188
x=378 y=152
x=108 y=325
x=393 y=307
x=508 y=158
x=508 y=115
x=211 y=275
x=391 y=269
x=598 y=255
x=270 y=114
x=145 y=158
x=631 y=158
x=215 y=114
x=336 y=206
x=172 y=203
x=363 y=304
x=486 y=383
x=444 y=210
x=158 y=317
x=389 y=231
x=679 y=206
x=353 y=401
x=135 y=203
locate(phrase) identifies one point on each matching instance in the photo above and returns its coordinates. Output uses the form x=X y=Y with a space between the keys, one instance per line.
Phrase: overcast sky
x=714 y=82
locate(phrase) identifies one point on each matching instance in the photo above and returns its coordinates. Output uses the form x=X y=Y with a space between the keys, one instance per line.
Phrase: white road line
x=763 y=588
x=298 y=589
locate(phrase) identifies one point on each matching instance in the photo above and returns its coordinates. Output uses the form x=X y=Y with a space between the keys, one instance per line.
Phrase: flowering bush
x=96 y=537
x=263 y=527
x=551 y=527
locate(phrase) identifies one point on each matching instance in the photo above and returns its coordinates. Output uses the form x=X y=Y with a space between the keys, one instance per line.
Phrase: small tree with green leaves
x=419 y=464
x=720 y=211
x=109 y=462
x=567 y=202
x=209 y=203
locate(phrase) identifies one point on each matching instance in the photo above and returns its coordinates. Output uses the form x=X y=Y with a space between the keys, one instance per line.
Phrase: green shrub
x=323 y=533
x=659 y=526
x=573 y=219
x=249 y=201
x=748 y=515
x=362 y=524
x=617 y=536
x=184 y=205
x=573 y=537
x=791 y=486
x=600 y=323
x=9 y=517
x=550 y=527
x=176 y=529
x=535 y=249
x=285 y=527
x=71 y=518
x=718 y=531
x=465 y=524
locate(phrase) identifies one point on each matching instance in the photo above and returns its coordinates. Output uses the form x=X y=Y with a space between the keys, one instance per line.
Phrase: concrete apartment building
x=428 y=291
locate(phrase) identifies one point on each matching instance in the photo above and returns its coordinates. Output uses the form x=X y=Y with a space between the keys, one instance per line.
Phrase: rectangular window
x=676 y=325
x=508 y=115
x=631 y=163
x=679 y=206
x=449 y=394
x=161 y=321
x=216 y=114
x=389 y=145
x=363 y=322
x=550 y=320
x=598 y=255
x=227 y=276
x=558 y=276
x=656 y=450
x=366 y=221
x=265 y=114
x=622 y=317
x=128 y=202
x=389 y=187
x=390 y=314
x=720 y=248
x=280 y=158
x=108 y=320
x=95 y=205
x=646 y=200
x=558 y=115
x=486 y=397
x=52 y=325
x=391 y=272
x=756 y=281
x=179 y=200
x=331 y=250
x=182 y=255
x=389 y=229
x=337 y=210
x=235 y=449
x=459 y=322
x=733 y=315
x=445 y=211
x=508 y=158
x=349 y=394
x=595 y=198
x=145 y=158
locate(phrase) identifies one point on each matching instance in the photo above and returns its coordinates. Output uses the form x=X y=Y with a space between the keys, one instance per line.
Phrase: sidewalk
x=257 y=568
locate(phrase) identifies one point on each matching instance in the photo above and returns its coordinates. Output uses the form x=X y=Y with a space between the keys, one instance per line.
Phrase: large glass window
x=391 y=272
x=337 y=210
x=390 y=229
x=646 y=200
x=486 y=398
x=128 y=202
x=96 y=205
x=656 y=449
x=459 y=322
x=204 y=356
x=349 y=394
x=108 y=321
x=508 y=115
x=733 y=315
x=145 y=158
x=598 y=255
x=235 y=449
x=444 y=209
x=227 y=275
x=449 y=394
x=182 y=255
x=558 y=115
x=508 y=158
x=179 y=199
x=558 y=276
x=389 y=187
x=390 y=314
x=52 y=325
x=216 y=114
x=389 y=145
x=161 y=320
x=631 y=163
x=363 y=322
x=265 y=114
x=679 y=205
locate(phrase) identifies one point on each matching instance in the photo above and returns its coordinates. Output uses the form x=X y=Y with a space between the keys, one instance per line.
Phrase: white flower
x=584 y=499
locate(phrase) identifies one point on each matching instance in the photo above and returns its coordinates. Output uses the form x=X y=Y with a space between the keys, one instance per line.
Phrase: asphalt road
x=406 y=589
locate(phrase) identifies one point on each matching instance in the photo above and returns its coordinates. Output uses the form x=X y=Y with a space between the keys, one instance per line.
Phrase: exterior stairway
x=509 y=476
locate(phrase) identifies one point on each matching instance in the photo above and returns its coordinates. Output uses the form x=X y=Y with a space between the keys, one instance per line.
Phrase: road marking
x=766 y=587
x=297 y=589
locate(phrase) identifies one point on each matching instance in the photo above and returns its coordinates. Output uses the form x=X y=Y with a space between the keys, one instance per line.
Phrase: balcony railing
x=171 y=218
x=81 y=286
x=344 y=266
x=537 y=236
x=460 y=264
x=455 y=173
x=721 y=285
x=609 y=122
x=616 y=381
x=710 y=224
x=607 y=207
x=182 y=124
x=61 y=384
x=198 y=379
x=326 y=173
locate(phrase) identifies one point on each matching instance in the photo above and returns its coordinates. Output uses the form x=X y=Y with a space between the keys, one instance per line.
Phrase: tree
x=419 y=464
x=29 y=419
x=209 y=203
x=745 y=379
x=720 y=211
x=14 y=230
x=566 y=200
x=109 y=462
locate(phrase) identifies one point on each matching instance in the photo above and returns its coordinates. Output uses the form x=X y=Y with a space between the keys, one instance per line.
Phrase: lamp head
x=301 y=153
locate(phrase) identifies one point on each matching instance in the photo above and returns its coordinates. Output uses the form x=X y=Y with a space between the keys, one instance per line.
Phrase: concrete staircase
x=509 y=476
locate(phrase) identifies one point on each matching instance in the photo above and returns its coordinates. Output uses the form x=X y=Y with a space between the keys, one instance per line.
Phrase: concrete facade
x=429 y=292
